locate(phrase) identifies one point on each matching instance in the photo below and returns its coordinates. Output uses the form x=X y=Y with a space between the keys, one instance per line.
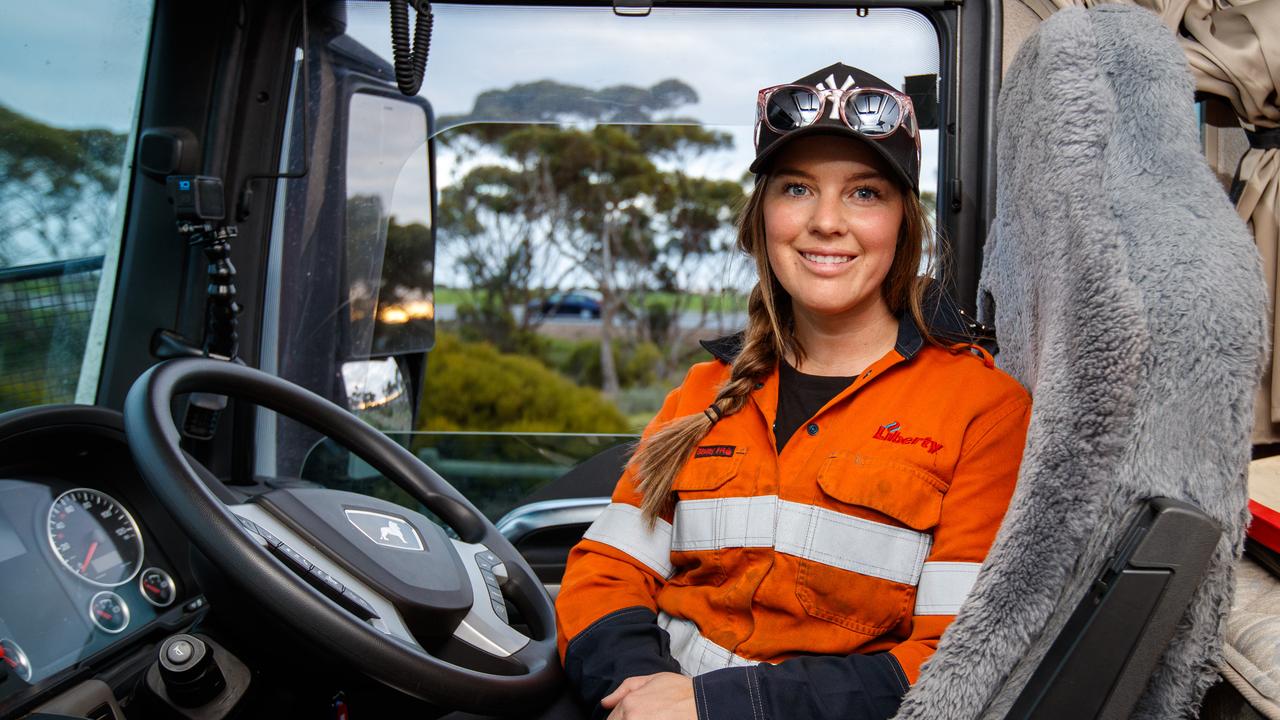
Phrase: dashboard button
x=292 y=558
x=272 y=540
x=500 y=572
x=328 y=579
x=260 y=531
x=179 y=652
x=358 y=605
x=500 y=609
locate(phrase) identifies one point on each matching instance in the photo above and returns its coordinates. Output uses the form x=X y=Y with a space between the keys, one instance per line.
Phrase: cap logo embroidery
x=892 y=432
x=831 y=93
x=714 y=451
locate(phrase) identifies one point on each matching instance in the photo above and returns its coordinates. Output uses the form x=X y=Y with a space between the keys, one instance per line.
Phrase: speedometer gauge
x=95 y=537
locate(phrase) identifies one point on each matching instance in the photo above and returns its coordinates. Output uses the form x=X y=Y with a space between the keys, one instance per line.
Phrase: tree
x=566 y=199
x=498 y=231
x=57 y=196
x=699 y=214
x=57 y=189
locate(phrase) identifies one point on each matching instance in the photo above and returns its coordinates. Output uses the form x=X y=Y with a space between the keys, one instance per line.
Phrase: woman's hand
x=661 y=695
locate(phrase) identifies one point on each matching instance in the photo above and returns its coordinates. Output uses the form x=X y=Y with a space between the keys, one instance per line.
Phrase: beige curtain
x=1233 y=47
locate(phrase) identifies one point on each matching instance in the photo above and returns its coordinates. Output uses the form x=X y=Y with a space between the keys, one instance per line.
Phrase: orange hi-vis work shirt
x=863 y=535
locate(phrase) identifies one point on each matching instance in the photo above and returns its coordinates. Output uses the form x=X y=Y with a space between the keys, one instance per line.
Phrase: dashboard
x=90 y=565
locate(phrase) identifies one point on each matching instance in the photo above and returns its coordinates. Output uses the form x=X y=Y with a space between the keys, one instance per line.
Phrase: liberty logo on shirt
x=892 y=432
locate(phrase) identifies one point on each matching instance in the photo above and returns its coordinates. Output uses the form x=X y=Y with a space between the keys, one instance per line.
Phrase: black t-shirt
x=800 y=396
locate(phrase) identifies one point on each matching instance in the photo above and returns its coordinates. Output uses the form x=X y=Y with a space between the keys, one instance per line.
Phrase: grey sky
x=725 y=55
x=74 y=63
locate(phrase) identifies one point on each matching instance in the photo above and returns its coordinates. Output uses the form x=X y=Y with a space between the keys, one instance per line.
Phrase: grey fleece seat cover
x=1128 y=299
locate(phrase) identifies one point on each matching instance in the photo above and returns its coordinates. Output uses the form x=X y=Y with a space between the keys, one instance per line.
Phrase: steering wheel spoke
x=487 y=626
x=330 y=579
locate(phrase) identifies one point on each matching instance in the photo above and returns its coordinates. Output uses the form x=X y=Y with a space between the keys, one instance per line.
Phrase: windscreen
x=588 y=169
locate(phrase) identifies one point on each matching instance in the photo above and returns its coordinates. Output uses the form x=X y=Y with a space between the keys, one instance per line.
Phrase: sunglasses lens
x=789 y=108
x=872 y=113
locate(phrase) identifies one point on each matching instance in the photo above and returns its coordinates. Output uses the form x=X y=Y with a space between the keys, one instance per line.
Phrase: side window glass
x=69 y=98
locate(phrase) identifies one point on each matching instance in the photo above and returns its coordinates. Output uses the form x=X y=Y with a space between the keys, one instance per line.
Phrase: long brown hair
x=769 y=336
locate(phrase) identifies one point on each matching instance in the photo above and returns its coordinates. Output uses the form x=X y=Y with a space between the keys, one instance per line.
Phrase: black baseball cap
x=900 y=149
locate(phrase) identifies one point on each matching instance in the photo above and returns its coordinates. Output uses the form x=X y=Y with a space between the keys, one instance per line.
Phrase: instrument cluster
x=85 y=561
x=86 y=576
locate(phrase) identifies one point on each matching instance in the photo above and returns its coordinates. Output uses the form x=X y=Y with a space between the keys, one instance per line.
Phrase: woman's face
x=831 y=220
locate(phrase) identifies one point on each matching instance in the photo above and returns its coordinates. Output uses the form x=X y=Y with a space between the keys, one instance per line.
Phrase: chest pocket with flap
x=703 y=512
x=868 y=541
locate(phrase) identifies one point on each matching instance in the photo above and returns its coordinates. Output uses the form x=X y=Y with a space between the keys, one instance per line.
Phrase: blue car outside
x=576 y=303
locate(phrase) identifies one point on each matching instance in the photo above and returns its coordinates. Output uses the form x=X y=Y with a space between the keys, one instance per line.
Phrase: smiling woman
x=744 y=564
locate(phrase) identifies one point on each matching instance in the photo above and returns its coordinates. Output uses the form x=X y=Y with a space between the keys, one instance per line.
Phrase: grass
x=716 y=302
x=719 y=302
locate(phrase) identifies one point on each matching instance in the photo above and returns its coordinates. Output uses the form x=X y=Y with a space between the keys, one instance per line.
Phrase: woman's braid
x=660 y=457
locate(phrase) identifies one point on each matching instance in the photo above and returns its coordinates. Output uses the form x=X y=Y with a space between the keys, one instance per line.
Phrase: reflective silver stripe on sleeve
x=944 y=586
x=623 y=527
x=696 y=654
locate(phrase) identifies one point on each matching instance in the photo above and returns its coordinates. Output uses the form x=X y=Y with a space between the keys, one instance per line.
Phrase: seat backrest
x=1128 y=298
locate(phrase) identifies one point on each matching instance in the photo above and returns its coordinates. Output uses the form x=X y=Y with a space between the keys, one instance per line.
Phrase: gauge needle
x=152 y=588
x=89 y=556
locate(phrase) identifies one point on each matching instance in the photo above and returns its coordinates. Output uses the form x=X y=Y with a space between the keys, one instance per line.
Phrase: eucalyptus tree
x=581 y=188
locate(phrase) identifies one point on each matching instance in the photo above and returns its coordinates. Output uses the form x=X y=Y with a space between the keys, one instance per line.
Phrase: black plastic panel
x=1105 y=654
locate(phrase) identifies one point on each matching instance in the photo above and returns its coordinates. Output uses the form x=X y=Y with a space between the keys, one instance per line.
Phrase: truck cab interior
x=326 y=328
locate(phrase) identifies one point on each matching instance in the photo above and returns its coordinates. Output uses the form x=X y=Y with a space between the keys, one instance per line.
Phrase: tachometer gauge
x=157 y=587
x=108 y=611
x=95 y=537
x=15 y=659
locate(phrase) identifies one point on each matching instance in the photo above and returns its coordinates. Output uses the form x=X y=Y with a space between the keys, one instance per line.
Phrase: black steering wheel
x=376 y=584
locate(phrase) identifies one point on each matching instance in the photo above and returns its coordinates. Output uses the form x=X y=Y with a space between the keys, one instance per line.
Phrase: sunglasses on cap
x=872 y=113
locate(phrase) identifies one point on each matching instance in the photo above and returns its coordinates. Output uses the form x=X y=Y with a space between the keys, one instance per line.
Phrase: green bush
x=639 y=365
x=473 y=386
x=579 y=360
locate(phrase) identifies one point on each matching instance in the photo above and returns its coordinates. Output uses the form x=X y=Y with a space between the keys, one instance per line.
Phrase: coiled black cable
x=410 y=57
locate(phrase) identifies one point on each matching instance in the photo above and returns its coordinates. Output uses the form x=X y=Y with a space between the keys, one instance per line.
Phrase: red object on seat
x=1265 y=528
